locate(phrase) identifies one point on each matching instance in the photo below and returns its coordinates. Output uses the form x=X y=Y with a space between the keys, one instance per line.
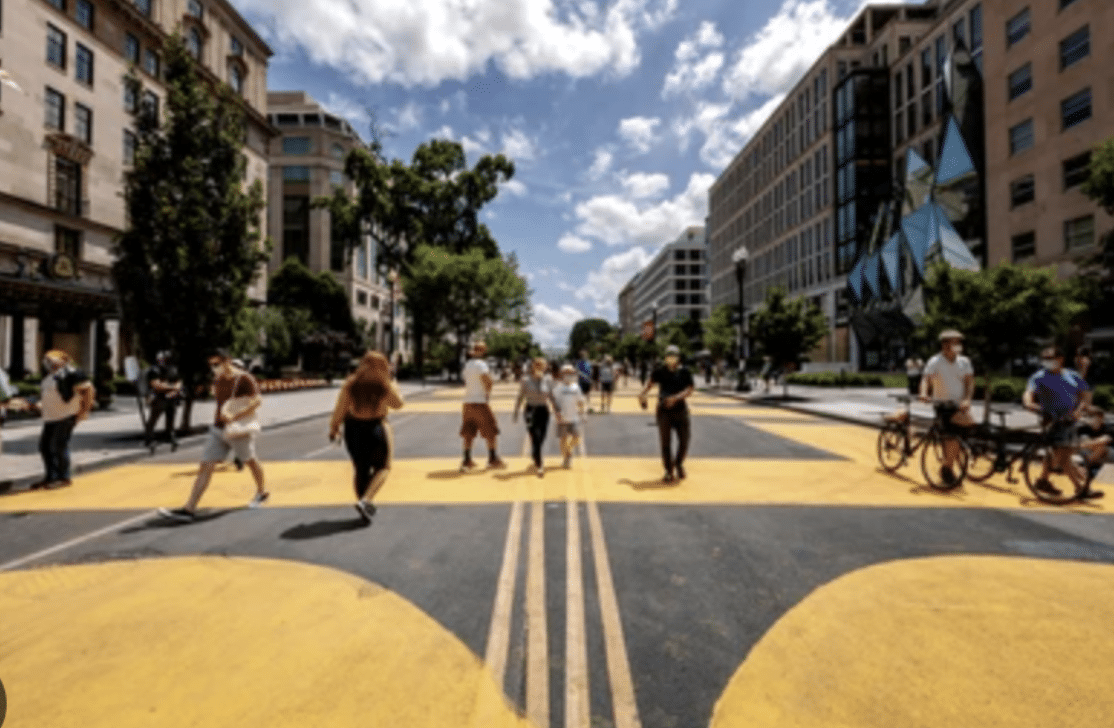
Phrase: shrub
x=1104 y=397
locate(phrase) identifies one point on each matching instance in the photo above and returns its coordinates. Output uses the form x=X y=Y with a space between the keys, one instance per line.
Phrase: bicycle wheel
x=891 y=446
x=1057 y=486
x=932 y=461
x=984 y=455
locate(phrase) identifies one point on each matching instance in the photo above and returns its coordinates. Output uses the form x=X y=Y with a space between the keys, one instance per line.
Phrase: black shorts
x=607 y=387
x=945 y=411
x=1063 y=433
x=585 y=387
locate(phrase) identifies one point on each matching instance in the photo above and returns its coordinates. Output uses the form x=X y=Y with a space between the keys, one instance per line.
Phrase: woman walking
x=362 y=407
x=537 y=391
x=607 y=383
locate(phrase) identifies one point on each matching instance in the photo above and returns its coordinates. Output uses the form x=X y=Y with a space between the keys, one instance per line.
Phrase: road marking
x=75 y=541
x=578 y=712
x=537 y=636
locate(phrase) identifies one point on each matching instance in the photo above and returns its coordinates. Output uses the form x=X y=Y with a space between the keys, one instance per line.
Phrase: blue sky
x=619 y=114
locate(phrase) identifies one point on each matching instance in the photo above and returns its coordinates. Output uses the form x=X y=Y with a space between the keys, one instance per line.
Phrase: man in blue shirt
x=1060 y=396
x=584 y=375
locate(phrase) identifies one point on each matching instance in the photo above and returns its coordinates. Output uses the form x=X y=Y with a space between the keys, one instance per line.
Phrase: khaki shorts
x=568 y=429
x=478 y=418
x=217 y=448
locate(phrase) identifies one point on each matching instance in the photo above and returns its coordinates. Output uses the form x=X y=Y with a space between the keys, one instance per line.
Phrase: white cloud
x=445 y=132
x=640 y=185
x=724 y=136
x=515 y=187
x=616 y=220
x=566 y=287
x=355 y=112
x=600 y=164
x=408 y=116
x=477 y=146
x=603 y=284
x=778 y=55
x=573 y=244
x=565 y=196
x=446 y=106
x=374 y=41
x=690 y=71
x=551 y=326
x=518 y=146
x=638 y=131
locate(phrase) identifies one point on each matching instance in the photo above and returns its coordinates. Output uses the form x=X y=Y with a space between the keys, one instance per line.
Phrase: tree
x=295 y=286
x=719 y=333
x=785 y=330
x=435 y=200
x=1017 y=309
x=1097 y=269
x=192 y=246
x=674 y=333
x=509 y=345
x=587 y=334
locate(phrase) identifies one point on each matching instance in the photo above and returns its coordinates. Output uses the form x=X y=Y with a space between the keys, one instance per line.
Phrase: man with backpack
x=66 y=398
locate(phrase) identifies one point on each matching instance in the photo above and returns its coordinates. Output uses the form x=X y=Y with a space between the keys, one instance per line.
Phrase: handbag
x=242 y=427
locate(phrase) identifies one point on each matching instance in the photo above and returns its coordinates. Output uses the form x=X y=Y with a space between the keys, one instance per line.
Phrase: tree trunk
x=188 y=388
x=419 y=355
x=986 y=400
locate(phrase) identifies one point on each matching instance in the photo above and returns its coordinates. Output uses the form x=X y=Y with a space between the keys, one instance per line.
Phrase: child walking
x=571 y=404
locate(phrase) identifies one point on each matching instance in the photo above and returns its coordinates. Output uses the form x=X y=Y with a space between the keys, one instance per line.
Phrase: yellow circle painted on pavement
x=944 y=641
x=231 y=642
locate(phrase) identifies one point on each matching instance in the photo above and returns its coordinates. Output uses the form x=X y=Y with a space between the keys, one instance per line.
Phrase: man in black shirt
x=675 y=385
x=163 y=392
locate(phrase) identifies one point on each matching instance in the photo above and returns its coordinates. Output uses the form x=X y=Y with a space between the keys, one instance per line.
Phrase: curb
x=20 y=484
x=797 y=408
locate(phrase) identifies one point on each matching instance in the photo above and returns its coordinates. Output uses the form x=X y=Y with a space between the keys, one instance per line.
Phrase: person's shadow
x=158 y=521
x=657 y=484
x=454 y=474
x=323 y=529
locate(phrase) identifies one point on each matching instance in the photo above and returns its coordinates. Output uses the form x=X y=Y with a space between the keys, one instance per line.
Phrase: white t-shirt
x=474 y=392
x=568 y=397
x=607 y=374
x=54 y=409
x=947 y=377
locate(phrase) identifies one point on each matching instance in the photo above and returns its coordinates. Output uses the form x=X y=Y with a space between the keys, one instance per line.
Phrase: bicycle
x=991 y=453
x=897 y=443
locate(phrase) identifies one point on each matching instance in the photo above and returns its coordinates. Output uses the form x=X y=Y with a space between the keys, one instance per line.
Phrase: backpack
x=69 y=379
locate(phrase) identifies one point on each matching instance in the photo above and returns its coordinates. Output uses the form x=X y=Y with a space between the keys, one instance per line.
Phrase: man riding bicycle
x=1059 y=396
x=951 y=380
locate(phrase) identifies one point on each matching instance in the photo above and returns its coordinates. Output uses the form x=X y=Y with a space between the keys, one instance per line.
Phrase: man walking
x=584 y=376
x=950 y=379
x=477 y=416
x=675 y=384
x=234 y=428
x=66 y=398
x=164 y=388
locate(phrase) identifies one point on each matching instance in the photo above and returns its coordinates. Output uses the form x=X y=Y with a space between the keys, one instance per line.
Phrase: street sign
x=648 y=330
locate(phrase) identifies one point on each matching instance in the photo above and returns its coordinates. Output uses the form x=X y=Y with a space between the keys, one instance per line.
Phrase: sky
x=618 y=114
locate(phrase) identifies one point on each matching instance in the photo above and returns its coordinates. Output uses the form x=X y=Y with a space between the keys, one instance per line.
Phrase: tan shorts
x=478 y=418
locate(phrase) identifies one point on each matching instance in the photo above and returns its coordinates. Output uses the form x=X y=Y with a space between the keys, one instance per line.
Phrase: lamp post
x=392 y=277
x=739 y=258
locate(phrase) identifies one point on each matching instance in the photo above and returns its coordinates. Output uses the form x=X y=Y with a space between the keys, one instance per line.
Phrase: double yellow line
x=578 y=713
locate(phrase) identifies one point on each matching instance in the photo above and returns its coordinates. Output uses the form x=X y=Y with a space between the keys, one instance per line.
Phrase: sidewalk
x=116 y=436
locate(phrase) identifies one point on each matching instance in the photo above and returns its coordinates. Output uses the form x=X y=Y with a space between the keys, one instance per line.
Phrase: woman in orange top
x=362 y=408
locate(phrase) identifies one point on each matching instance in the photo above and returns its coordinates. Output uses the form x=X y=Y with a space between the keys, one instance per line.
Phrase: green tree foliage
x=589 y=335
x=1100 y=185
x=786 y=330
x=635 y=349
x=720 y=335
x=1005 y=313
x=1097 y=269
x=509 y=345
x=469 y=290
x=675 y=333
x=296 y=286
x=192 y=245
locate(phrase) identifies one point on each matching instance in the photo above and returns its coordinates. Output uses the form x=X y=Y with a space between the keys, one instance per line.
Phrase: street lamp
x=393 y=278
x=739 y=258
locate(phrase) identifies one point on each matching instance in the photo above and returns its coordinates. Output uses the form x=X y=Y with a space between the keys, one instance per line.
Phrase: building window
x=1021 y=136
x=1075 y=47
x=1077 y=170
x=295 y=145
x=926 y=68
x=361 y=298
x=1017 y=27
x=295 y=228
x=144 y=6
x=235 y=78
x=196 y=9
x=149 y=105
x=67 y=242
x=67 y=186
x=1076 y=109
x=55 y=110
x=1020 y=81
x=1065 y=3
x=55 y=46
x=151 y=62
x=898 y=88
x=129 y=147
x=287 y=120
x=336 y=178
x=337 y=151
x=911 y=119
x=1022 y=190
x=84 y=13
x=131 y=48
x=83 y=64
x=1079 y=233
x=1023 y=246
x=975 y=19
x=131 y=95
x=296 y=173
x=60 y=4
x=83 y=123
x=237 y=46
x=193 y=43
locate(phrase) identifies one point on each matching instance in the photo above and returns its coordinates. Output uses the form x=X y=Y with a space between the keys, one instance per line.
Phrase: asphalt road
x=787 y=581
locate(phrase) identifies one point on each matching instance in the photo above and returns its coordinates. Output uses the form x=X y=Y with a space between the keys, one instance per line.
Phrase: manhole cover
x=1062 y=550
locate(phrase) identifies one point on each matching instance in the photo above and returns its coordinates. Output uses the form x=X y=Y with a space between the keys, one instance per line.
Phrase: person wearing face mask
x=950 y=379
x=1059 y=396
x=675 y=384
x=230 y=385
x=536 y=390
x=569 y=404
x=66 y=398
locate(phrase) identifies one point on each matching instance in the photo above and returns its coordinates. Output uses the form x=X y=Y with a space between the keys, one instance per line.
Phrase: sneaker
x=365 y=509
x=467 y=464
x=667 y=478
x=680 y=472
x=39 y=485
x=567 y=462
x=181 y=515
x=1091 y=493
x=239 y=464
x=496 y=464
x=541 y=472
x=1046 y=487
x=947 y=475
x=259 y=499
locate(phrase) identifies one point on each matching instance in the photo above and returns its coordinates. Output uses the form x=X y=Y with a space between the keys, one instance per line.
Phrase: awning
x=30 y=297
